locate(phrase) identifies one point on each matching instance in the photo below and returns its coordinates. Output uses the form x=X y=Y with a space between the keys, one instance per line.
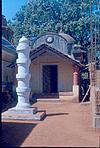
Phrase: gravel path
x=67 y=124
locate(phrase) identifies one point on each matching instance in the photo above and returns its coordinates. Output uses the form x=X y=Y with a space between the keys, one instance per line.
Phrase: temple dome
x=67 y=37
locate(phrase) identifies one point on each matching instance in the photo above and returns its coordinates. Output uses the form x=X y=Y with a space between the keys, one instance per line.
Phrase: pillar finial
x=23 y=39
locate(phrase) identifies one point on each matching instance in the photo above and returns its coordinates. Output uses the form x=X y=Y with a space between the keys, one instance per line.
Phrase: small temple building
x=56 y=63
x=54 y=68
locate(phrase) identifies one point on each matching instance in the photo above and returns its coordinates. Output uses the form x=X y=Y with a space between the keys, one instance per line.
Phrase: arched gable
x=59 y=42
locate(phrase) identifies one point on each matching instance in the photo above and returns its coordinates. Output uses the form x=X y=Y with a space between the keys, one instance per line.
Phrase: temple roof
x=45 y=48
x=78 y=49
x=67 y=37
x=7 y=44
x=8 y=51
x=41 y=46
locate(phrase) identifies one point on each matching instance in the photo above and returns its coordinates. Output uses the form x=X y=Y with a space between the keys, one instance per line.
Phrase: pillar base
x=23 y=114
x=23 y=105
x=17 y=110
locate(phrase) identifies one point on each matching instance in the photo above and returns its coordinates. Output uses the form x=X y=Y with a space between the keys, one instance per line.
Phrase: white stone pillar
x=75 y=83
x=23 y=76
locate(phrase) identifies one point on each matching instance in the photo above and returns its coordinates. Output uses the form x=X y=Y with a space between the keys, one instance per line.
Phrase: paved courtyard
x=67 y=124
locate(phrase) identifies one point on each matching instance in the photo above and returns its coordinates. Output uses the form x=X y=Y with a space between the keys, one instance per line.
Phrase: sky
x=10 y=7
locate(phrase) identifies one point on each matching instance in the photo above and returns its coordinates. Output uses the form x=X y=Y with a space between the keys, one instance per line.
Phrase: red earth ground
x=67 y=124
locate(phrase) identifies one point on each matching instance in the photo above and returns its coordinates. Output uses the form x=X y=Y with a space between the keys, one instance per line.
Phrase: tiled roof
x=44 y=48
x=8 y=51
x=7 y=44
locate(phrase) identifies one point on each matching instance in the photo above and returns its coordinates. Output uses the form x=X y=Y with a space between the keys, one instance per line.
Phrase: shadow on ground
x=56 y=114
x=6 y=106
x=11 y=104
x=14 y=134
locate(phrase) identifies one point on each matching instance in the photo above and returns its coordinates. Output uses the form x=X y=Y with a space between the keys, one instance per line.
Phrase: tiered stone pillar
x=75 y=83
x=23 y=76
x=23 y=109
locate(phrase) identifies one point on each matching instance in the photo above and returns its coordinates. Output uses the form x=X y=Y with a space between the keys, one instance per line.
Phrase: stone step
x=61 y=98
x=48 y=99
x=18 y=116
x=40 y=115
x=47 y=96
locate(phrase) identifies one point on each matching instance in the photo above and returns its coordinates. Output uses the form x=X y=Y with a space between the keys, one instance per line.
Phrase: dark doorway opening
x=84 y=85
x=50 y=79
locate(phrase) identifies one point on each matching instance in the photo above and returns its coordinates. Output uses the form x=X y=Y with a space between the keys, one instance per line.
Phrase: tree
x=40 y=16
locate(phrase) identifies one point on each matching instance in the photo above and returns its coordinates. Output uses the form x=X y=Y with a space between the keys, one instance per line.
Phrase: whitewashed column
x=23 y=76
x=75 y=82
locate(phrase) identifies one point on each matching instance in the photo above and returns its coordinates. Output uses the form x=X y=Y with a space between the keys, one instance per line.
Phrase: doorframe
x=48 y=64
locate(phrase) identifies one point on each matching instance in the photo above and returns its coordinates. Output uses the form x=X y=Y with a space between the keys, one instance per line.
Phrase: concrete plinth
x=23 y=110
x=23 y=114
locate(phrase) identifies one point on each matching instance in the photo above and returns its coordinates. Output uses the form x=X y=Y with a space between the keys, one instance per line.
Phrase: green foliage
x=40 y=16
x=84 y=75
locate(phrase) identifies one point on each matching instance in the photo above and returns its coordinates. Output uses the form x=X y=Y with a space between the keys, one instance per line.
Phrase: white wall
x=64 y=72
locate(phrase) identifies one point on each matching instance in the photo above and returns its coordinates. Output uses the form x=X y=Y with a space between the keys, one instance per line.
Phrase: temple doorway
x=50 y=79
